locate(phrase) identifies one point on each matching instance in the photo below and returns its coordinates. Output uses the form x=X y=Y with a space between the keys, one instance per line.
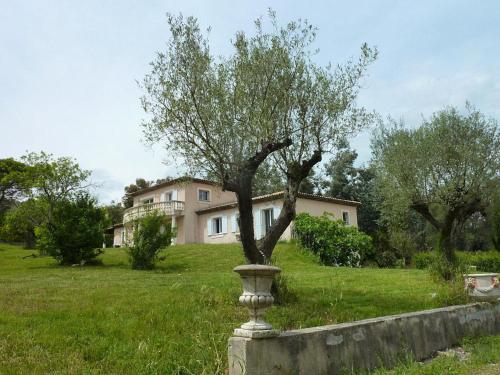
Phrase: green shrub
x=486 y=261
x=151 y=234
x=335 y=243
x=442 y=269
x=424 y=259
x=74 y=233
x=386 y=259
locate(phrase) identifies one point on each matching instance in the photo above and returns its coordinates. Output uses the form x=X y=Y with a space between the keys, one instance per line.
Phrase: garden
x=177 y=318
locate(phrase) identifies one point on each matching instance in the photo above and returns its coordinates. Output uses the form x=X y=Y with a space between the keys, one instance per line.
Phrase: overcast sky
x=68 y=69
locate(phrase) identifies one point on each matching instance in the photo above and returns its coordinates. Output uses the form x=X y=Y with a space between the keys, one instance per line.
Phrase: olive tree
x=267 y=102
x=445 y=170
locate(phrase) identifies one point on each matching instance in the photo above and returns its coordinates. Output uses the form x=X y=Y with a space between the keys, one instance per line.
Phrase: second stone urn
x=483 y=286
x=257 y=280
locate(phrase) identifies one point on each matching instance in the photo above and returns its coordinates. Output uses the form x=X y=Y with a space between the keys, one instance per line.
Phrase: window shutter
x=174 y=195
x=224 y=224
x=209 y=226
x=162 y=197
x=257 y=220
x=276 y=212
x=234 y=223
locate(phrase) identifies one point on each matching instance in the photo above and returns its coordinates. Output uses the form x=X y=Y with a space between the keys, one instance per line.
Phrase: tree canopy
x=268 y=102
x=446 y=170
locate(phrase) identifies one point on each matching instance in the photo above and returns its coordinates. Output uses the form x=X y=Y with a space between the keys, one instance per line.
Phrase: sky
x=69 y=69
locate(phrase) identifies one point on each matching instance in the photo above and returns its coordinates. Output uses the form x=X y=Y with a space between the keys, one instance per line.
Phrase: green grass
x=176 y=319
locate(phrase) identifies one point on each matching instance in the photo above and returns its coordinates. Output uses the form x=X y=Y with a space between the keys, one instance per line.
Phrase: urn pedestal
x=483 y=286
x=257 y=280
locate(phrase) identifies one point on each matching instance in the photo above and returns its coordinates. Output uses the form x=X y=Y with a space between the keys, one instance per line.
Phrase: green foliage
x=282 y=291
x=140 y=183
x=484 y=261
x=451 y=272
x=424 y=259
x=335 y=243
x=74 y=234
x=386 y=259
x=268 y=104
x=445 y=170
x=343 y=180
x=114 y=213
x=21 y=220
x=53 y=179
x=11 y=172
x=151 y=234
x=45 y=182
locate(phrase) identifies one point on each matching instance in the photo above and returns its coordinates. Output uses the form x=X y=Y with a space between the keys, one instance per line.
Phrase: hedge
x=485 y=261
x=335 y=243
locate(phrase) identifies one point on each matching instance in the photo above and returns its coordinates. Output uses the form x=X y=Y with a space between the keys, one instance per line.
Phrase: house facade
x=202 y=213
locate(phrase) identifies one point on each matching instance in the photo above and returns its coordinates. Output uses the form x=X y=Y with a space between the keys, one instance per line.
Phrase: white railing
x=166 y=208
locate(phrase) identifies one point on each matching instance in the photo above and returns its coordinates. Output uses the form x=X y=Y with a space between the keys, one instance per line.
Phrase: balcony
x=168 y=208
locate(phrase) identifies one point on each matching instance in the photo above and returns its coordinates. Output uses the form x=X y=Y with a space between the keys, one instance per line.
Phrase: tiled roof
x=173 y=182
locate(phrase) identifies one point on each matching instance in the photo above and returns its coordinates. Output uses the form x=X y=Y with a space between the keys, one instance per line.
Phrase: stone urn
x=257 y=280
x=483 y=286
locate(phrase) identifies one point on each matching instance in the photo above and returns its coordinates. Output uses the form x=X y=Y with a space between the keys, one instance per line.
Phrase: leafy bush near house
x=151 y=234
x=485 y=261
x=335 y=243
x=74 y=233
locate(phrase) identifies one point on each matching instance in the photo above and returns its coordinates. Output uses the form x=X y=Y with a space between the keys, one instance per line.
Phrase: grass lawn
x=176 y=319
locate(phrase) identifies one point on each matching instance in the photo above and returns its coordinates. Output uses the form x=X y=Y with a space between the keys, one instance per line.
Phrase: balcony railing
x=166 y=208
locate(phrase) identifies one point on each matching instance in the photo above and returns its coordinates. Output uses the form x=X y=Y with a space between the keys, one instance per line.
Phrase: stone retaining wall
x=362 y=345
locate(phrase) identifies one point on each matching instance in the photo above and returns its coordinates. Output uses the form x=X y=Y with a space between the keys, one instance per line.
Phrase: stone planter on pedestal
x=257 y=280
x=483 y=286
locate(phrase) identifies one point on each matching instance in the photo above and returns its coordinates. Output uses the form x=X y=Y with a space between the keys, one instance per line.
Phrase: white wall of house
x=229 y=230
x=118 y=236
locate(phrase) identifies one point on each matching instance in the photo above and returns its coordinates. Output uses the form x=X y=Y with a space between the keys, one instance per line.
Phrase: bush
x=486 y=261
x=442 y=269
x=74 y=233
x=151 y=234
x=424 y=259
x=335 y=243
x=386 y=259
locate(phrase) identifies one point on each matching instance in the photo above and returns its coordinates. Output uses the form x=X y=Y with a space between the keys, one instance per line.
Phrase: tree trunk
x=247 y=236
x=445 y=243
x=29 y=239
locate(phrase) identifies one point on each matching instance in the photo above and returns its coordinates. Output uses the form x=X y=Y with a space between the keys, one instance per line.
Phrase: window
x=147 y=200
x=168 y=196
x=268 y=219
x=204 y=195
x=217 y=225
x=345 y=217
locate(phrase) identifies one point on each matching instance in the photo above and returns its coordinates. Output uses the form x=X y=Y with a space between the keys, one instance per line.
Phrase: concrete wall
x=362 y=345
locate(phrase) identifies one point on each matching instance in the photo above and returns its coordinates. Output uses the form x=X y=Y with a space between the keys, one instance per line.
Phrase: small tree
x=75 y=233
x=446 y=170
x=267 y=103
x=151 y=234
x=21 y=220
